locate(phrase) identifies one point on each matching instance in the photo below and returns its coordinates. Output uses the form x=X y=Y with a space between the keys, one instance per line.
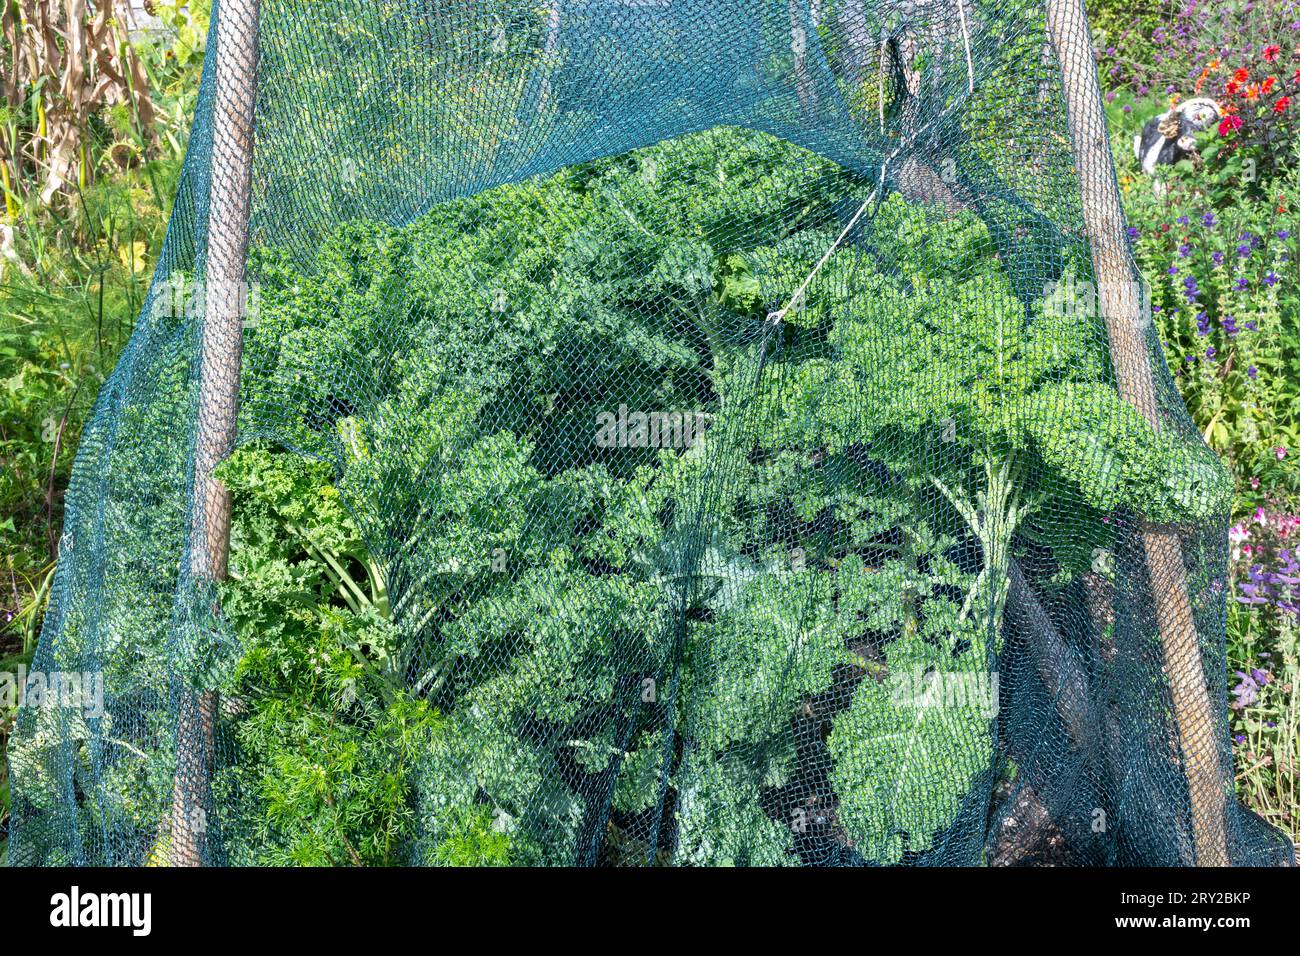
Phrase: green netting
x=669 y=431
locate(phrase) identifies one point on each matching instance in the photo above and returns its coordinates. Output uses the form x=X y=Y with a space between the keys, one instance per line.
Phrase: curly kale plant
x=466 y=628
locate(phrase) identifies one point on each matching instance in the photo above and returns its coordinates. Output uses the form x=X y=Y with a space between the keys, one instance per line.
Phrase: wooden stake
x=1103 y=216
x=224 y=297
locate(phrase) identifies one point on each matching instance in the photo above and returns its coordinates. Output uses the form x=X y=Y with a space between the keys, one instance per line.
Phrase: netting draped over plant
x=669 y=431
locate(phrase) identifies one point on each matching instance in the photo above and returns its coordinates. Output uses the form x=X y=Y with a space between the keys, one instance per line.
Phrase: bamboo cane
x=1103 y=216
x=221 y=349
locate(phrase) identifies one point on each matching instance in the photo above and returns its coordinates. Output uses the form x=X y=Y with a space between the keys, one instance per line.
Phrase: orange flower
x=1241 y=75
x=1252 y=91
x=1267 y=85
x=1214 y=65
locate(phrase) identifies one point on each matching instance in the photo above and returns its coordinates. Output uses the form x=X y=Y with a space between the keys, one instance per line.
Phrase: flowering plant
x=1221 y=283
x=1150 y=47
x=1258 y=99
x=1264 y=655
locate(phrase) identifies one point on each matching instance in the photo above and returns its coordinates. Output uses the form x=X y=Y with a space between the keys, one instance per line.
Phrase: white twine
x=965 y=39
x=883 y=45
x=780 y=314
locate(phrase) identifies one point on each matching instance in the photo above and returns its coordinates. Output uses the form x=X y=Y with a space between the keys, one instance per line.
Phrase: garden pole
x=224 y=297
x=1193 y=713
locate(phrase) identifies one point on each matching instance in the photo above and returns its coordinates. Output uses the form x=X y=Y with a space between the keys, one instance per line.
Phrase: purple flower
x=1218 y=258
x=1182 y=220
x=1210 y=352
x=1242 y=283
x=1283 y=234
x=1240 y=738
x=1251 y=325
x=1184 y=250
x=1252 y=371
x=1270 y=279
x=1172 y=270
x=1209 y=219
x=1133 y=232
x=1247 y=692
x=1253 y=596
x=1230 y=325
x=1243 y=250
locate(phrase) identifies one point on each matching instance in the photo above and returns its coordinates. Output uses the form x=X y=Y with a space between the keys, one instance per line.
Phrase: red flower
x=1241 y=75
x=1268 y=84
x=1271 y=52
x=1282 y=103
x=1230 y=124
x=1232 y=87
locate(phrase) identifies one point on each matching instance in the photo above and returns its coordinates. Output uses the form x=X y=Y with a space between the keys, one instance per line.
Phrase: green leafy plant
x=462 y=628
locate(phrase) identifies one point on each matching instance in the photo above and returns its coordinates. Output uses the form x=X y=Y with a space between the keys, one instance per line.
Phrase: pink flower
x=1230 y=124
x=1254 y=484
x=1260 y=516
x=1280 y=452
x=1271 y=52
x=1236 y=535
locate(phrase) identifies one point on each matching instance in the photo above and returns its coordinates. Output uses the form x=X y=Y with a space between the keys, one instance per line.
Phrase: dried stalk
x=78 y=61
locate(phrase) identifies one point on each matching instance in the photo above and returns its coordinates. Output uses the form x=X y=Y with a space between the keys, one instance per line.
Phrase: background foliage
x=74 y=268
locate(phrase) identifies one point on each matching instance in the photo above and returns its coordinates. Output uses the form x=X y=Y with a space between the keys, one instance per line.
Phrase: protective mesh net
x=669 y=431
